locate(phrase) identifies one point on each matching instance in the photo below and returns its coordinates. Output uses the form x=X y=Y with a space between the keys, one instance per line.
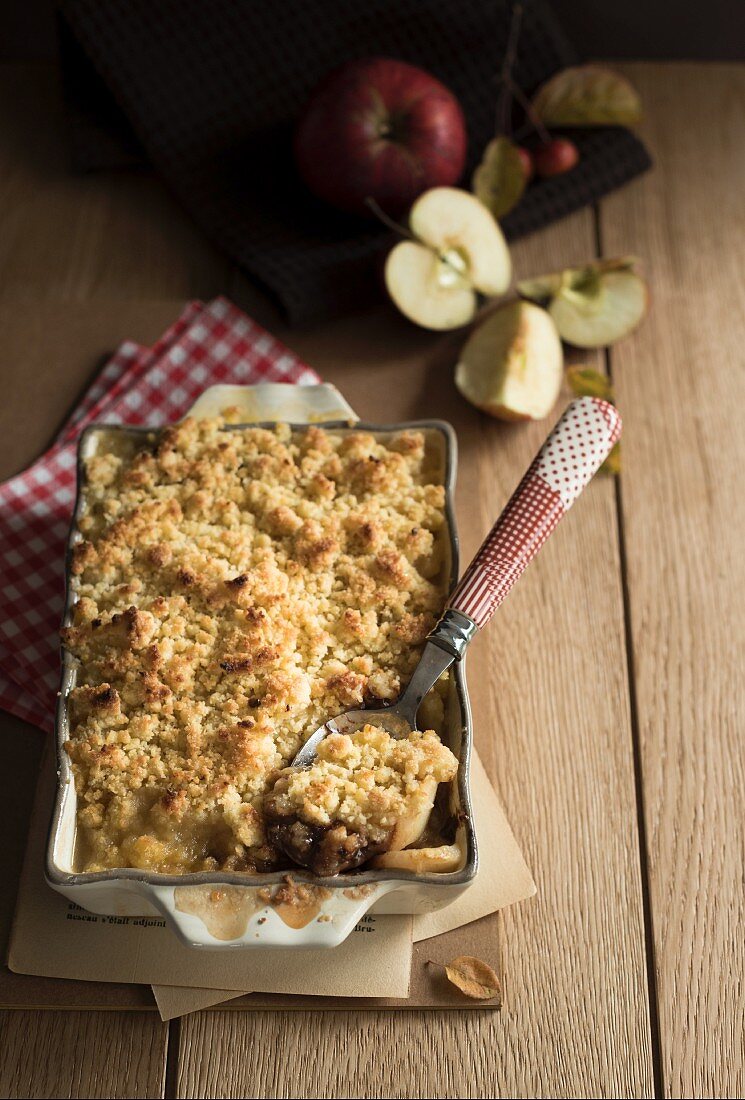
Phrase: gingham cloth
x=206 y=345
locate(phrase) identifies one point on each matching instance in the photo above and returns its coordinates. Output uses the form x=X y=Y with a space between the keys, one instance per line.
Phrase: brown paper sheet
x=179 y=1000
x=429 y=987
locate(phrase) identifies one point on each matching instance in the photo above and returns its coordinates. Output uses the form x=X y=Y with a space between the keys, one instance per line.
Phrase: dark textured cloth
x=210 y=89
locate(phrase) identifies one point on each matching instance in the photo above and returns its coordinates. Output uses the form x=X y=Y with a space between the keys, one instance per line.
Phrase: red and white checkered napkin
x=205 y=346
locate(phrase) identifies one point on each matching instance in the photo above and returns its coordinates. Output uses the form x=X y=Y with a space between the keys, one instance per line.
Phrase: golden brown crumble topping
x=364 y=793
x=234 y=588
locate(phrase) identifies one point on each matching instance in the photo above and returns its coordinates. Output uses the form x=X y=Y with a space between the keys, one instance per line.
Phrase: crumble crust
x=367 y=780
x=234 y=589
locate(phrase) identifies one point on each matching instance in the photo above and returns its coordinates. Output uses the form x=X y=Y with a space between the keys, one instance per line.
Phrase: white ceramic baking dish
x=228 y=909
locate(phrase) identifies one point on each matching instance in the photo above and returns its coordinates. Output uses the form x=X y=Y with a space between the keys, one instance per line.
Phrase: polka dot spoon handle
x=565 y=463
x=577 y=446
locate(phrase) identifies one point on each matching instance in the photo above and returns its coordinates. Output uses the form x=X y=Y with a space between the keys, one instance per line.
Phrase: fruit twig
x=510 y=89
x=387 y=220
x=527 y=106
x=505 y=76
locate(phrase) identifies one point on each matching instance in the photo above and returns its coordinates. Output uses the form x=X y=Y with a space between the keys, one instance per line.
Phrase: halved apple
x=465 y=234
x=512 y=365
x=428 y=290
x=459 y=252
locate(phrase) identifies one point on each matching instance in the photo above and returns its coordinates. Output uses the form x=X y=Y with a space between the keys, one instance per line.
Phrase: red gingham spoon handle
x=577 y=446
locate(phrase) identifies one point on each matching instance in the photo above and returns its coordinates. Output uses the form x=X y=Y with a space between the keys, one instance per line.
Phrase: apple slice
x=601 y=312
x=422 y=861
x=412 y=824
x=465 y=235
x=512 y=365
x=595 y=305
x=428 y=290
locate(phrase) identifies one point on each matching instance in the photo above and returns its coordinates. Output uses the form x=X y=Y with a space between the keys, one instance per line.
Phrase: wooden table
x=614 y=667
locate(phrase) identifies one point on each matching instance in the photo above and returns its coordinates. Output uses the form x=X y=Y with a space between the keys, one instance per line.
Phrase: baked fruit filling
x=234 y=589
x=364 y=794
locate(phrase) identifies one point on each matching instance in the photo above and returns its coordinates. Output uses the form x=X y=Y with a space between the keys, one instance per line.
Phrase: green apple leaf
x=588 y=382
x=499 y=181
x=587 y=95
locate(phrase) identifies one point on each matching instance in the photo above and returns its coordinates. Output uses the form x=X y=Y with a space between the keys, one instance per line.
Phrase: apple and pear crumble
x=234 y=588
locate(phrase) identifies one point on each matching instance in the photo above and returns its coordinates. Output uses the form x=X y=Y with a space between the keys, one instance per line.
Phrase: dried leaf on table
x=473 y=977
x=588 y=95
x=588 y=382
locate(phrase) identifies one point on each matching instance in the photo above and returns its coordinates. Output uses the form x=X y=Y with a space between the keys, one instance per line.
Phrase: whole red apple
x=381 y=129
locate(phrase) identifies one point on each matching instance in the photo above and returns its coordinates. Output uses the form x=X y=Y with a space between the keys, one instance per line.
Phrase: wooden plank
x=85 y=1054
x=681 y=387
x=72 y=242
x=553 y=729
x=358 y=1054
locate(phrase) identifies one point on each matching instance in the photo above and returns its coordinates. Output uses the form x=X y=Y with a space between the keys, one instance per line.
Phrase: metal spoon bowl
x=445 y=644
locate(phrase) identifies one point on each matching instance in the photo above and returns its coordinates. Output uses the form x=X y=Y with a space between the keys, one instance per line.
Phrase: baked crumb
x=235 y=588
x=364 y=793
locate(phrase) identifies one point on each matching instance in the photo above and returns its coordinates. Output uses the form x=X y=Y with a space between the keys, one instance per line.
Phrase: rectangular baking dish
x=212 y=909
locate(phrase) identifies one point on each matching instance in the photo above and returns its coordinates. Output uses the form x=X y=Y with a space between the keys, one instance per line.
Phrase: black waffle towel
x=208 y=91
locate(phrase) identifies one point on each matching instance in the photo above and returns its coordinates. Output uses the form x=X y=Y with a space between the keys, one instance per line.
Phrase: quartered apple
x=512 y=365
x=458 y=253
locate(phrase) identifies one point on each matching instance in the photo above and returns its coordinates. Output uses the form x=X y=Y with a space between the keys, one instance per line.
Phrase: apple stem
x=381 y=215
x=511 y=89
x=508 y=63
x=527 y=106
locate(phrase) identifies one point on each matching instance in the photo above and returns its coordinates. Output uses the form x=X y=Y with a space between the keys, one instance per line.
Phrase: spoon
x=573 y=452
